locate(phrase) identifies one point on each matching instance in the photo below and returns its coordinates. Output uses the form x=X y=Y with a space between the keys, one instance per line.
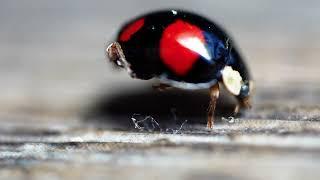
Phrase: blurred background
x=52 y=52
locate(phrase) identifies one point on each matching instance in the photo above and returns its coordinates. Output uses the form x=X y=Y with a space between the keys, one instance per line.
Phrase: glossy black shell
x=142 y=50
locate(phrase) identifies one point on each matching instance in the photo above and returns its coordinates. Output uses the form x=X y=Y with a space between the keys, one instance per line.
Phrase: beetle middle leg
x=161 y=87
x=214 y=95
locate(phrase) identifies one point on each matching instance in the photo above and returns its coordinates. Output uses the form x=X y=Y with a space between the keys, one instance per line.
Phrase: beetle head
x=235 y=84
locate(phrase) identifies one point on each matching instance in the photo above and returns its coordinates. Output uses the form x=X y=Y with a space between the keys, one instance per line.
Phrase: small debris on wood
x=150 y=124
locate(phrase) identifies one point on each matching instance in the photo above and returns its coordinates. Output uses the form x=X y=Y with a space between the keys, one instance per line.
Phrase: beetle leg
x=161 y=87
x=243 y=103
x=237 y=109
x=214 y=95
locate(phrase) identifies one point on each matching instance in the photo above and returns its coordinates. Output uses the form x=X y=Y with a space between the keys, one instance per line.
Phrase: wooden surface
x=66 y=114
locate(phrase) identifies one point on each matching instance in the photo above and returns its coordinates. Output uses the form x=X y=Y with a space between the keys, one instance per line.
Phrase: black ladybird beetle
x=183 y=50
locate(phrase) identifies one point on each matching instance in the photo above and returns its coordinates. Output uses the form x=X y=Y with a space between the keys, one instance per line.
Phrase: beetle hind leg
x=214 y=95
x=161 y=87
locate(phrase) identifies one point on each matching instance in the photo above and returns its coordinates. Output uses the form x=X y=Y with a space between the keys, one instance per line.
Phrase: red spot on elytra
x=174 y=52
x=131 y=29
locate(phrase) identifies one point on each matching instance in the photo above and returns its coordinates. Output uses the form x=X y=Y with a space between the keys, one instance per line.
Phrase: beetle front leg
x=244 y=103
x=214 y=95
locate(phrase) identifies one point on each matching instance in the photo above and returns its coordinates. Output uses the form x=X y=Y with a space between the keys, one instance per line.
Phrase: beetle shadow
x=169 y=109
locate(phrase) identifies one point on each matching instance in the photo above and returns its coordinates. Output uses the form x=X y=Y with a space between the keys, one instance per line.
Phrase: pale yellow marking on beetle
x=232 y=80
